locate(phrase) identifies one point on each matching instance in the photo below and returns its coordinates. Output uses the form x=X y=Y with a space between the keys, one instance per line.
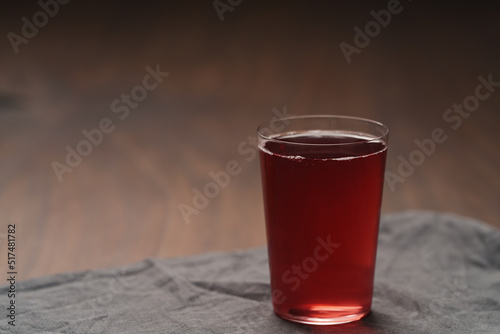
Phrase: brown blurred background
x=120 y=204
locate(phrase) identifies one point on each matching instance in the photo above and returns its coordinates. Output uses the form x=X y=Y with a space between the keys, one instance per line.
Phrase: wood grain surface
x=120 y=204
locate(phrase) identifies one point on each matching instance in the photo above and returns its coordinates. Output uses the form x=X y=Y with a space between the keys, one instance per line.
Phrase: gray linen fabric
x=436 y=273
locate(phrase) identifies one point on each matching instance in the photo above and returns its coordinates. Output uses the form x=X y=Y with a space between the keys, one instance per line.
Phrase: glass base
x=325 y=315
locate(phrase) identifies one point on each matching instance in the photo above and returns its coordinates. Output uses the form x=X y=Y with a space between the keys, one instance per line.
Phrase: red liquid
x=313 y=192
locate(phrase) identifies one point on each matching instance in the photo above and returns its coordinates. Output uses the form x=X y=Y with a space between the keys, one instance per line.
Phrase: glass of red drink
x=322 y=181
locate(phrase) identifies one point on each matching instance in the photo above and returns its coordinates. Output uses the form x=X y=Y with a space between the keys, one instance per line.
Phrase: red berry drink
x=322 y=196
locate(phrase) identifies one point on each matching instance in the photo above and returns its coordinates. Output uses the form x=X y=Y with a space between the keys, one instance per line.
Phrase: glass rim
x=384 y=128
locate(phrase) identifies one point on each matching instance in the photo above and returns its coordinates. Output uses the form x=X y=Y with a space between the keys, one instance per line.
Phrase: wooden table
x=120 y=204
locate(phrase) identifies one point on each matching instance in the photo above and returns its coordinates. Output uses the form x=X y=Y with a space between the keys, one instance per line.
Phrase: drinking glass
x=322 y=181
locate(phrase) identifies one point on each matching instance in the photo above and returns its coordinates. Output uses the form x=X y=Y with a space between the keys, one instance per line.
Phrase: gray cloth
x=436 y=273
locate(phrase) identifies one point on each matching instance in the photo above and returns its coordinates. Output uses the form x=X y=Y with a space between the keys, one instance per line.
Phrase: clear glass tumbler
x=322 y=180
